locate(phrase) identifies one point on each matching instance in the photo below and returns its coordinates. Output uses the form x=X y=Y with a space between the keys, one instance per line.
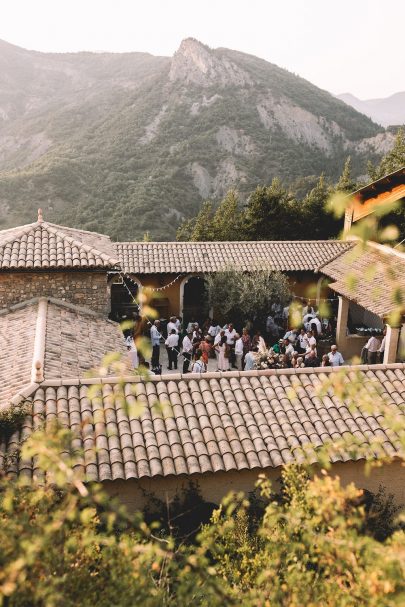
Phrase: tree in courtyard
x=241 y=296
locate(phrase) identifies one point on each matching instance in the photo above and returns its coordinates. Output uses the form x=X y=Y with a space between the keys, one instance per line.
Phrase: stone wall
x=86 y=289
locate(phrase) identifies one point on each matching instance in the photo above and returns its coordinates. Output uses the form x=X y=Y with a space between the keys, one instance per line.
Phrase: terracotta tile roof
x=217 y=422
x=17 y=336
x=43 y=245
x=369 y=275
x=46 y=339
x=176 y=257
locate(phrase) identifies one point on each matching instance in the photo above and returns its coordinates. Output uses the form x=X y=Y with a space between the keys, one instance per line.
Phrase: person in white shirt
x=199 y=365
x=172 y=343
x=303 y=342
x=250 y=359
x=187 y=351
x=190 y=326
x=171 y=325
x=214 y=329
x=311 y=351
x=307 y=309
x=307 y=320
x=197 y=333
x=155 y=337
x=238 y=351
x=335 y=357
x=311 y=338
x=230 y=335
x=289 y=349
x=178 y=324
x=373 y=345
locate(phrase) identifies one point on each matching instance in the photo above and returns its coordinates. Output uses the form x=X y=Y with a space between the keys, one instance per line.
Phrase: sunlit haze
x=346 y=46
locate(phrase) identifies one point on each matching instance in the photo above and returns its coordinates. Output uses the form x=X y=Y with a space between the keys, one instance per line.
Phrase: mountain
x=386 y=111
x=125 y=143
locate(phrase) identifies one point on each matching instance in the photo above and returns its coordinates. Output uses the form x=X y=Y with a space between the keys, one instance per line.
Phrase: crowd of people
x=247 y=349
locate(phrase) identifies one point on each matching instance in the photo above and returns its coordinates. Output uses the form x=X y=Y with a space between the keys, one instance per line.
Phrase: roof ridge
x=22 y=304
x=219 y=242
x=80 y=309
x=80 y=244
x=22 y=230
x=214 y=375
x=38 y=351
x=57 y=225
x=25 y=225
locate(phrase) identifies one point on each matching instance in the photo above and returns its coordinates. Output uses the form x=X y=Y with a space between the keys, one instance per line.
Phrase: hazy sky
x=352 y=46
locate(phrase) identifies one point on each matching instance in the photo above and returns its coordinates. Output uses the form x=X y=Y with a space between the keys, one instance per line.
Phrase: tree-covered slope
x=125 y=143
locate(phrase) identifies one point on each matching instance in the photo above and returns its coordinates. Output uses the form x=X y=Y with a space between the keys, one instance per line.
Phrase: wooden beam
x=361 y=210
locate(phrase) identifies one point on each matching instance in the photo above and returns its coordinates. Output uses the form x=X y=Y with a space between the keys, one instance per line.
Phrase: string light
x=149 y=322
x=155 y=289
x=316 y=300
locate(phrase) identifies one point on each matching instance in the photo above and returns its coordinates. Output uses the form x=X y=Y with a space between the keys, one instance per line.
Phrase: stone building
x=43 y=259
x=176 y=269
x=219 y=429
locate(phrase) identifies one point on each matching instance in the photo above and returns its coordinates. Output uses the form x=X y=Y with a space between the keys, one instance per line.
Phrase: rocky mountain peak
x=196 y=63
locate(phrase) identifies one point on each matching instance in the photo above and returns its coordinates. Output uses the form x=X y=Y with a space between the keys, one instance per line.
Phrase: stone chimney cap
x=40 y=216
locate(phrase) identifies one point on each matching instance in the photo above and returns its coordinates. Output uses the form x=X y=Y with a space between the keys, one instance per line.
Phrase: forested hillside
x=129 y=143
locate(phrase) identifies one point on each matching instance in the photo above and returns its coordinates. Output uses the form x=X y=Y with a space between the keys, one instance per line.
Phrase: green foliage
x=392 y=161
x=227 y=221
x=320 y=224
x=81 y=154
x=11 y=417
x=202 y=228
x=346 y=182
x=271 y=213
x=65 y=542
x=242 y=295
x=309 y=549
x=69 y=544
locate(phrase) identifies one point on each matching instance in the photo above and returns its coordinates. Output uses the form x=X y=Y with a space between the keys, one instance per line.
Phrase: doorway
x=195 y=300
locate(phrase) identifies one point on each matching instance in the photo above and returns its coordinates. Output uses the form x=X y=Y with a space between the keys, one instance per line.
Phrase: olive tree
x=239 y=296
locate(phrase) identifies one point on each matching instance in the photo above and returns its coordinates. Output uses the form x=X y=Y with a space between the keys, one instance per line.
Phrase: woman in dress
x=223 y=355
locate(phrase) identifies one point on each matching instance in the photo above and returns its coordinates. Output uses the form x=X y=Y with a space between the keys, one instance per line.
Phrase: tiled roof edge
x=19 y=306
x=214 y=375
x=218 y=242
x=22 y=230
x=114 y=262
x=57 y=302
x=20 y=396
x=339 y=254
